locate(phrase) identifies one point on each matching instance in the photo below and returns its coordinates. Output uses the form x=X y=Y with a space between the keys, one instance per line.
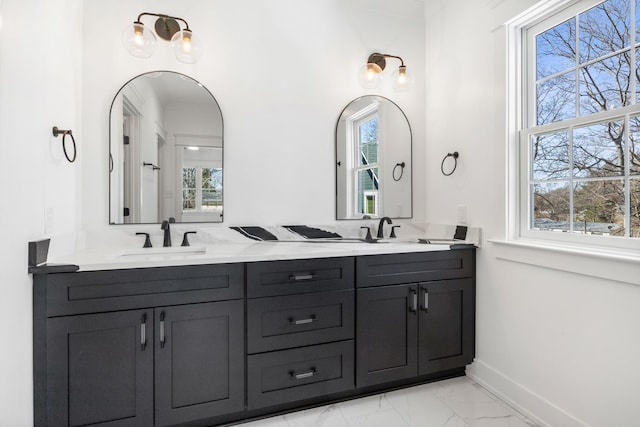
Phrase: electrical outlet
x=462 y=214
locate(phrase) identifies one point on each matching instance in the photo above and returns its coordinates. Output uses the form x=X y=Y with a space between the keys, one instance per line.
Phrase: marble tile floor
x=457 y=402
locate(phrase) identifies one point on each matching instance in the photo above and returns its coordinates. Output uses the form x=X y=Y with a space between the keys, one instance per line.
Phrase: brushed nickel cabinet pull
x=311 y=319
x=300 y=277
x=425 y=306
x=414 y=301
x=162 y=337
x=143 y=332
x=303 y=375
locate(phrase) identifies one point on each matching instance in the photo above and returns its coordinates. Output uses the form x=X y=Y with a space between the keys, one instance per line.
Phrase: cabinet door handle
x=311 y=319
x=162 y=337
x=300 y=277
x=303 y=375
x=414 y=301
x=143 y=332
x=425 y=306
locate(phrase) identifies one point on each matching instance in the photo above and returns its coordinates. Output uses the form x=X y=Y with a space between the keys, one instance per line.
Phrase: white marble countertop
x=122 y=249
x=105 y=259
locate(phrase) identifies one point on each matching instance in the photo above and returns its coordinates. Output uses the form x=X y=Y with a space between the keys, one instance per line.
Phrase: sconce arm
x=163 y=16
x=386 y=55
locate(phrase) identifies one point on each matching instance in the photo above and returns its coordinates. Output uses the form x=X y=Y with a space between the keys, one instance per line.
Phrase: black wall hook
x=57 y=132
x=153 y=167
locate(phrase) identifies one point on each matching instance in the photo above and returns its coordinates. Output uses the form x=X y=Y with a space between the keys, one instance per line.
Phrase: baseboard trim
x=529 y=403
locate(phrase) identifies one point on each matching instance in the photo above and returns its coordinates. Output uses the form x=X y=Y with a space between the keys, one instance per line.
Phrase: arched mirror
x=165 y=151
x=373 y=160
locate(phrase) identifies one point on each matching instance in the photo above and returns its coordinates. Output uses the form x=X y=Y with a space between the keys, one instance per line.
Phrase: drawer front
x=271 y=278
x=393 y=269
x=95 y=291
x=297 y=320
x=303 y=373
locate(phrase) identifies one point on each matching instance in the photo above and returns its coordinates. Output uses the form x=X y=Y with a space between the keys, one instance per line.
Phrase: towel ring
x=455 y=156
x=401 y=166
x=56 y=132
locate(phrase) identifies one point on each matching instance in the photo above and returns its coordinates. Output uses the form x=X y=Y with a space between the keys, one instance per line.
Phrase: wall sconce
x=140 y=41
x=370 y=75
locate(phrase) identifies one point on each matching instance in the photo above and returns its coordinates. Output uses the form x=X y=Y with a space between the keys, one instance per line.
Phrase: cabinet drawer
x=291 y=375
x=95 y=291
x=271 y=278
x=380 y=270
x=297 y=320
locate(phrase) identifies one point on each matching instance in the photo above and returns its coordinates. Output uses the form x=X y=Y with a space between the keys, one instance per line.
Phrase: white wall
x=282 y=71
x=40 y=87
x=563 y=346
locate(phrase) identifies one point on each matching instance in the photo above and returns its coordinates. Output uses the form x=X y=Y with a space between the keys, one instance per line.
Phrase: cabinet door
x=446 y=325
x=199 y=366
x=386 y=334
x=100 y=369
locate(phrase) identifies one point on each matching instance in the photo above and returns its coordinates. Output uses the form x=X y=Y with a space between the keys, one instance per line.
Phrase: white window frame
x=521 y=94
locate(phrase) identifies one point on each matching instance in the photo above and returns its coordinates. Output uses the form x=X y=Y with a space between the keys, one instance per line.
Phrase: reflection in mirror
x=166 y=145
x=373 y=160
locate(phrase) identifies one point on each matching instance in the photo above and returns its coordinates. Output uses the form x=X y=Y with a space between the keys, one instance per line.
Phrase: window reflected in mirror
x=373 y=139
x=201 y=182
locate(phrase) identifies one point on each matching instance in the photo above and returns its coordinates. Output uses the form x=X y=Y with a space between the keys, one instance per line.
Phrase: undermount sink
x=173 y=250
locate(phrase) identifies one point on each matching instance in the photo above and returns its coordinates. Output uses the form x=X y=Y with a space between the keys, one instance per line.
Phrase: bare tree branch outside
x=585 y=178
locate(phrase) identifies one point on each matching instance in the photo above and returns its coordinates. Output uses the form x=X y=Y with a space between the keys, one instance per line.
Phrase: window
x=579 y=153
x=201 y=189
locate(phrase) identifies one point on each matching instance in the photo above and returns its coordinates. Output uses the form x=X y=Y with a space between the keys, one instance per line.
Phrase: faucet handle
x=147 y=240
x=368 y=237
x=393 y=231
x=185 y=240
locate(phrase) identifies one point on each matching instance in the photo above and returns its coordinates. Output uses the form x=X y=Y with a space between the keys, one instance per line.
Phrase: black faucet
x=381 y=226
x=167 y=231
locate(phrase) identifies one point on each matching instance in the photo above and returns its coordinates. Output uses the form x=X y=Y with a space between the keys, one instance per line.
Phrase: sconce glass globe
x=138 y=40
x=186 y=46
x=370 y=76
x=401 y=80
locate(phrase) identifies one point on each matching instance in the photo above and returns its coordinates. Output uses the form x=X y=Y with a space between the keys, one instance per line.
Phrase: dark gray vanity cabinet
x=212 y=344
x=300 y=330
x=409 y=324
x=173 y=353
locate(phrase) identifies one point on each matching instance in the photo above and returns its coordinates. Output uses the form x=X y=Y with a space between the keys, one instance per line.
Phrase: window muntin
x=579 y=164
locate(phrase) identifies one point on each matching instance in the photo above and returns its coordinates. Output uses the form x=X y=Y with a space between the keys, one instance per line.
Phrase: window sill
x=611 y=265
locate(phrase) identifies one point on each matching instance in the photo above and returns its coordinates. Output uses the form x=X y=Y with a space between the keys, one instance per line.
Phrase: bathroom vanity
x=222 y=340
